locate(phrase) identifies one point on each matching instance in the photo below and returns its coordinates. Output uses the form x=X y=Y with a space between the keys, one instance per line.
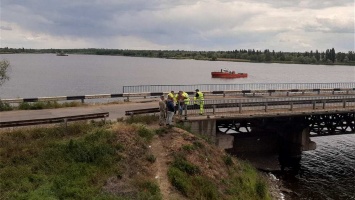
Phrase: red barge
x=228 y=74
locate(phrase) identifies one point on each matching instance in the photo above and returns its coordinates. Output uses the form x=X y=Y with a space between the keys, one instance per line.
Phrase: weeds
x=59 y=163
x=228 y=160
x=143 y=119
x=39 y=105
x=149 y=190
x=145 y=133
x=5 y=106
x=151 y=158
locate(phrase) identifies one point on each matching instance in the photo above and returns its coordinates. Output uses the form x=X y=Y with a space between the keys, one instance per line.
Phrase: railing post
x=291 y=106
x=314 y=105
x=288 y=93
x=265 y=107
x=214 y=109
x=344 y=103
x=185 y=110
x=65 y=123
x=324 y=102
x=82 y=101
x=240 y=107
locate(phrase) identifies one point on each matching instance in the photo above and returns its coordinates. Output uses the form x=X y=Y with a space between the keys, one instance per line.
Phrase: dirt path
x=161 y=166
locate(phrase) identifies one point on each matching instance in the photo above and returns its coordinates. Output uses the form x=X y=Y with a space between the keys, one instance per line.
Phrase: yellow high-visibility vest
x=187 y=98
x=172 y=96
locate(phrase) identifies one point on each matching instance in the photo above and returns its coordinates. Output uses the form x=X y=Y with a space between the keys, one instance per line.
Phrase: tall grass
x=46 y=105
x=63 y=163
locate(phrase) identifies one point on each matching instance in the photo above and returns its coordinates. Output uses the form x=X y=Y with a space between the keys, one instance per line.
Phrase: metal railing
x=65 y=120
x=227 y=87
x=263 y=106
x=272 y=106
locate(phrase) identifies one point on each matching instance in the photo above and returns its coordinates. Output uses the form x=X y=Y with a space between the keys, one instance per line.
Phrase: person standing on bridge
x=199 y=100
x=170 y=112
x=162 y=109
x=173 y=97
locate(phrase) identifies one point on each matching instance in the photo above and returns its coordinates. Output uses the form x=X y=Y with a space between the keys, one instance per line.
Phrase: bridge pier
x=285 y=137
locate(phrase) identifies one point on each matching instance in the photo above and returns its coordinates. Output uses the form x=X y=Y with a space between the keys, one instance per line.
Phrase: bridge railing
x=264 y=106
x=128 y=96
x=64 y=119
x=227 y=87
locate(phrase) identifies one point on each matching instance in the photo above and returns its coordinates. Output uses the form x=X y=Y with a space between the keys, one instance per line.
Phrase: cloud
x=179 y=24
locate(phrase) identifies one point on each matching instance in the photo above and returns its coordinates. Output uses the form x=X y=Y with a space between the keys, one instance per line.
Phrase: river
x=328 y=172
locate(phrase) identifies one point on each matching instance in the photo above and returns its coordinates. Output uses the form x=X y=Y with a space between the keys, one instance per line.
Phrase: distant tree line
x=329 y=56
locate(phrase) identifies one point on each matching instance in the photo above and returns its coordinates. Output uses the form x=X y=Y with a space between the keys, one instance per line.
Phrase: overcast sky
x=280 y=25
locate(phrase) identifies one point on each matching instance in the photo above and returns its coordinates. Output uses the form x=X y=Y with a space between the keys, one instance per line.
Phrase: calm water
x=329 y=171
x=50 y=75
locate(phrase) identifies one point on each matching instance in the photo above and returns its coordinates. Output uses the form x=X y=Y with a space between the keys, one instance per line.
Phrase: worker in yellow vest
x=173 y=97
x=182 y=100
x=186 y=98
x=199 y=100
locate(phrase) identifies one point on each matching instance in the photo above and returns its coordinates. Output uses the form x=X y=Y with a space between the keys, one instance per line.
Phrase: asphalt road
x=115 y=111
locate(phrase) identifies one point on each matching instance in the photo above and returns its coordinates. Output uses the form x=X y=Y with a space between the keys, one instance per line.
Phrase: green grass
x=63 y=163
x=5 y=106
x=246 y=184
x=243 y=181
x=186 y=178
x=46 y=105
x=38 y=105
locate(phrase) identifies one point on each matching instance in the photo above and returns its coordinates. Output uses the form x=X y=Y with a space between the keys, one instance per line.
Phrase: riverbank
x=95 y=160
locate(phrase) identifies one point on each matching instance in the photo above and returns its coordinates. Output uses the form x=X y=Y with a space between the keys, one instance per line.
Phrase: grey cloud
x=328 y=25
x=6 y=28
x=196 y=24
x=314 y=4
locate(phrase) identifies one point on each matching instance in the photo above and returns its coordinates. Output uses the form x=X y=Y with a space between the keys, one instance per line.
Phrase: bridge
x=250 y=119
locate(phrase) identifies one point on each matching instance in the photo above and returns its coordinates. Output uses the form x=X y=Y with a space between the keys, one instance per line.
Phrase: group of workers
x=177 y=103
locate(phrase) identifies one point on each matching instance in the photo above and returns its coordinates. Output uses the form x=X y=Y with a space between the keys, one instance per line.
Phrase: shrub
x=180 y=180
x=151 y=158
x=188 y=147
x=149 y=190
x=228 y=160
x=146 y=133
x=5 y=106
x=260 y=188
x=185 y=166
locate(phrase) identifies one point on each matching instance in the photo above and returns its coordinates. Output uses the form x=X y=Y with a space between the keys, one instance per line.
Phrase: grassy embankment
x=115 y=161
x=38 y=105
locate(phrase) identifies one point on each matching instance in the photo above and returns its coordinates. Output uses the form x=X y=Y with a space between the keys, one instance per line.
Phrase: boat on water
x=225 y=73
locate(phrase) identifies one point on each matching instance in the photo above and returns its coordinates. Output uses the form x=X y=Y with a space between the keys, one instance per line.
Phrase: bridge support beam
x=207 y=128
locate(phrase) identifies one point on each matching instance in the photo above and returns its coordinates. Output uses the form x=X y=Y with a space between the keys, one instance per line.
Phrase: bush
x=146 y=133
x=260 y=188
x=183 y=165
x=228 y=160
x=150 y=190
x=151 y=158
x=5 y=106
x=180 y=180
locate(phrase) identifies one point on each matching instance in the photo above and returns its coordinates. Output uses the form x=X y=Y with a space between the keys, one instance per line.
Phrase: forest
x=329 y=56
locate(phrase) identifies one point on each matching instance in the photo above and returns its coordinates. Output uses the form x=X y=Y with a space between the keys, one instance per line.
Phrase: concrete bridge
x=242 y=121
x=282 y=126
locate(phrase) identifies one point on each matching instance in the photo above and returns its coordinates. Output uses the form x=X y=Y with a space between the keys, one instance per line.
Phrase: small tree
x=4 y=68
